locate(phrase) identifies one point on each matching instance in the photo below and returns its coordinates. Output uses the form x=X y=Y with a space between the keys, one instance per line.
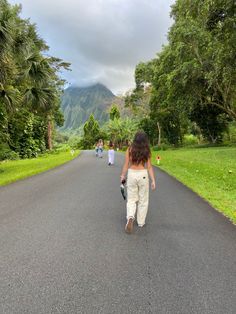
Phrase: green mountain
x=79 y=102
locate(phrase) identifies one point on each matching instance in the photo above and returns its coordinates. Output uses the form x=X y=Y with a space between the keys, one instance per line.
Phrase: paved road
x=63 y=248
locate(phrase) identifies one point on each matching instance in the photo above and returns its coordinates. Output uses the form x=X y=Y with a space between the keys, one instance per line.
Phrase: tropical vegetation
x=190 y=87
x=30 y=87
x=118 y=129
x=187 y=93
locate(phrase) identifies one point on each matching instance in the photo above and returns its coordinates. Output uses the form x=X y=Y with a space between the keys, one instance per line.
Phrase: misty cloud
x=103 y=39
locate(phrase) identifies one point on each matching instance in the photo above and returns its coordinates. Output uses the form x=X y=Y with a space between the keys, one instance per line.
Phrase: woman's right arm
x=125 y=166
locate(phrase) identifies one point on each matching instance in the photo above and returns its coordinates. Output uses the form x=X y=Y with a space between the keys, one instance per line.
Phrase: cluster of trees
x=191 y=85
x=118 y=130
x=30 y=87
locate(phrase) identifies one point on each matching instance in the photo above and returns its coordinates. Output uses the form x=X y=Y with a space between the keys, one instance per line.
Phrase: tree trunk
x=159 y=133
x=49 y=135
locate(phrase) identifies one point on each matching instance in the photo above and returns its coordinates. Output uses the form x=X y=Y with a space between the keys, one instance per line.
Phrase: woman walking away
x=111 y=154
x=138 y=165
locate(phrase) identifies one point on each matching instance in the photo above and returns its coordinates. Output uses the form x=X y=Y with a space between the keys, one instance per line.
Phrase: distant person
x=138 y=164
x=100 y=148
x=96 y=149
x=111 y=154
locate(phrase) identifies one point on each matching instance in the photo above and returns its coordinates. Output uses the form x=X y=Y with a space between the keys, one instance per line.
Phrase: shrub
x=73 y=142
x=155 y=148
x=163 y=146
x=230 y=135
x=7 y=153
x=190 y=139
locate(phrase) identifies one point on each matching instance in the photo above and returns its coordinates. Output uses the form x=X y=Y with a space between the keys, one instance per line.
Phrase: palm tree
x=10 y=96
x=130 y=127
x=28 y=78
x=43 y=101
x=6 y=40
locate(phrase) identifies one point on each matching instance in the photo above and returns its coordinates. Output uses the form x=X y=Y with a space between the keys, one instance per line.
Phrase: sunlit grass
x=210 y=172
x=14 y=170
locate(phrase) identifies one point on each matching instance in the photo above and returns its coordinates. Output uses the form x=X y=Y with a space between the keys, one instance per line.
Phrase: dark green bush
x=190 y=139
x=155 y=148
x=7 y=153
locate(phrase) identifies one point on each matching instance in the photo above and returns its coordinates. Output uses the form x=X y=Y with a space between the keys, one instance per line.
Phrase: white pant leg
x=143 y=193
x=132 y=193
x=111 y=156
x=100 y=150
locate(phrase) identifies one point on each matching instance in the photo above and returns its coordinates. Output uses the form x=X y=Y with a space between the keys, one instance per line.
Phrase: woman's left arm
x=151 y=173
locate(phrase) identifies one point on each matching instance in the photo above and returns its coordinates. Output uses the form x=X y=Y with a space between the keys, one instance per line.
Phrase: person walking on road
x=111 y=154
x=100 y=148
x=138 y=165
x=96 y=149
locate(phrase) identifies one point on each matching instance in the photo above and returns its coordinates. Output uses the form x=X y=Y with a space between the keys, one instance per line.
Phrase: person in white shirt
x=111 y=154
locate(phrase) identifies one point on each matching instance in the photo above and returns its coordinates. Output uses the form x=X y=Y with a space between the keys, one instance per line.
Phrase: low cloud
x=103 y=39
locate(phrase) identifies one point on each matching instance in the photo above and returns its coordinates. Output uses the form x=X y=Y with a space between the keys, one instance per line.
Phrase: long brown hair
x=139 y=151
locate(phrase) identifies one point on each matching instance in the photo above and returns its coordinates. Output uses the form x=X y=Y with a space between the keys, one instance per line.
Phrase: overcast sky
x=103 y=39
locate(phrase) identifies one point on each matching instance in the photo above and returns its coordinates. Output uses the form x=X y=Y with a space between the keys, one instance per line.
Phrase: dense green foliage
x=30 y=89
x=114 y=112
x=92 y=133
x=121 y=131
x=208 y=171
x=193 y=79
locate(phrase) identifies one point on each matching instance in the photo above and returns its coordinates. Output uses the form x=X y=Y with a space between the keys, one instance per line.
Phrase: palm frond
x=10 y=96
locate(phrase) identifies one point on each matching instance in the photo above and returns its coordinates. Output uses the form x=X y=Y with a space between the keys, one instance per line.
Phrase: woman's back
x=139 y=166
x=139 y=156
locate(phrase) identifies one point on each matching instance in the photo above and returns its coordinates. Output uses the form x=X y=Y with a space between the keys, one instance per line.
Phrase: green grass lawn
x=14 y=170
x=210 y=172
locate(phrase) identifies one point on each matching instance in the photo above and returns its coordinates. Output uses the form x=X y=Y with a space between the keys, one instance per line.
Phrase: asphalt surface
x=63 y=248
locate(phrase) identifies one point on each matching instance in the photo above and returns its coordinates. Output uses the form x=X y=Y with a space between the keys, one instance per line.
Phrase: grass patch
x=14 y=170
x=210 y=172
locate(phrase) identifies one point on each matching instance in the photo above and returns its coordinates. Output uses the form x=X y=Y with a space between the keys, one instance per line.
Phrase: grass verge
x=210 y=172
x=13 y=170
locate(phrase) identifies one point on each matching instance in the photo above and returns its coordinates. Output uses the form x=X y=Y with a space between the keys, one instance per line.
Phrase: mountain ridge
x=77 y=103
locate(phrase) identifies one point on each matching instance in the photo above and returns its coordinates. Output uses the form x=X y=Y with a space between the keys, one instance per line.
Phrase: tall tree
x=91 y=133
x=114 y=112
x=203 y=37
x=121 y=131
x=195 y=70
x=28 y=78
